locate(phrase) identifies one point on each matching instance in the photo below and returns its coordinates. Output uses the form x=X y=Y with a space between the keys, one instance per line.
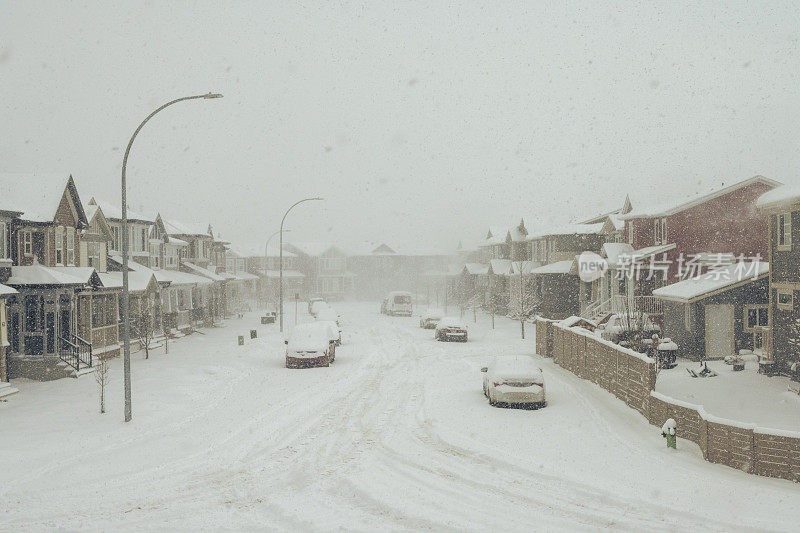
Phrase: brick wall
x=631 y=378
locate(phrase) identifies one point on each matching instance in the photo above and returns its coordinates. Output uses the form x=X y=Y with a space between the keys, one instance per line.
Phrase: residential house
x=782 y=347
x=139 y=229
x=5 y=388
x=325 y=268
x=200 y=238
x=671 y=241
x=294 y=279
x=56 y=291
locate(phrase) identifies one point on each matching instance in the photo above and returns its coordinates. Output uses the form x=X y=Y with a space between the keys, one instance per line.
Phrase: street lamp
x=280 y=260
x=266 y=252
x=126 y=297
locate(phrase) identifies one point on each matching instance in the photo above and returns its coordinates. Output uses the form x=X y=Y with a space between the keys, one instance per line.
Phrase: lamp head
x=212 y=95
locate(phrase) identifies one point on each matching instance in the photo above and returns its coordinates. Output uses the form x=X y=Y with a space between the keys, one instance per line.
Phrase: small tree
x=145 y=328
x=495 y=304
x=101 y=377
x=524 y=302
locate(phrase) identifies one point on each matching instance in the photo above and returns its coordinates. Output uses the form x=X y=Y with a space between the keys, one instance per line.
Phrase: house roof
x=176 y=241
x=245 y=276
x=476 y=268
x=783 y=196
x=174 y=227
x=202 y=271
x=501 y=267
x=286 y=274
x=662 y=209
x=114 y=212
x=613 y=250
x=314 y=249
x=138 y=282
x=495 y=235
x=372 y=248
x=713 y=282
x=568 y=229
x=176 y=277
x=42 y=275
x=559 y=267
x=37 y=196
x=5 y=290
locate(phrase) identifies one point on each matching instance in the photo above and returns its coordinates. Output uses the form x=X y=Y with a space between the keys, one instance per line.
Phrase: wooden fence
x=631 y=377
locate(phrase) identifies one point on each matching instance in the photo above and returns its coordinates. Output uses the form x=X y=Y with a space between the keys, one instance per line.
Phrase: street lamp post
x=126 y=298
x=280 y=260
x=266 y=252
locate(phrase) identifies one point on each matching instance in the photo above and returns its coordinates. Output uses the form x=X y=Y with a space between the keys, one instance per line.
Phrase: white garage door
x=719 y=331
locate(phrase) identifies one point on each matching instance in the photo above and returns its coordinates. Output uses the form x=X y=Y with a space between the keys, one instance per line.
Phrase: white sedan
x=514 y=380
x=451 y=329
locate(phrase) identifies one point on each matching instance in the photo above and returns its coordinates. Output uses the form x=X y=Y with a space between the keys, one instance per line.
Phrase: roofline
x=714 y=292
x=703 y=199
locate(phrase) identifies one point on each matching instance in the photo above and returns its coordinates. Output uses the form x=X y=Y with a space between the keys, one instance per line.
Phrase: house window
x=98 y=312
x=331 y=263
x=785 y=299
x=115 y=231
x=656 y=231
x=785 y=231
x=70 y=247
x=688 y=316
x=144 y=239
x=93 y=252
x=60 y=245
x=755 y=316
x=27 y=240
x=663 y=231
x=33 y=308
x=3 y=239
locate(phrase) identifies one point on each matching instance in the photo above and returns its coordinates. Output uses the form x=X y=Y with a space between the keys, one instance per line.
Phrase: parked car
x=514 y=380
x=451 y=328
x=398 y=304
x=328 y=315
x=619 y=327
x=309 y=345
x=430 y=318
x=311 y=303
x=317 y=306
x=384 y=303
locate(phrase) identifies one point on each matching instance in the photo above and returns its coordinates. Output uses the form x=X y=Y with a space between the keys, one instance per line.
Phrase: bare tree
x=101 y=377
x=524 y=301
x=145 y=328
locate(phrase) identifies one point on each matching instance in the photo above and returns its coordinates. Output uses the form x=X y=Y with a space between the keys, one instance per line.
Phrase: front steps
x=6 y=390
x=42 y=368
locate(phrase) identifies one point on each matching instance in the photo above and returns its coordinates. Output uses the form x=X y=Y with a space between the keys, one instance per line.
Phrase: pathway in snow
x=396 y=435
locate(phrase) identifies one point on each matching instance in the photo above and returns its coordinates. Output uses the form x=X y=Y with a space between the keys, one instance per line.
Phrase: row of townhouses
x=718 y=272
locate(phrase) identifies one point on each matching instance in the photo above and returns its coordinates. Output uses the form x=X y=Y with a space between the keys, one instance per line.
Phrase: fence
x=631 y=377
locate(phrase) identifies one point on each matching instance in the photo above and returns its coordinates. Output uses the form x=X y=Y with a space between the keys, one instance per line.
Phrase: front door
x=719 y=331
x=50 y=326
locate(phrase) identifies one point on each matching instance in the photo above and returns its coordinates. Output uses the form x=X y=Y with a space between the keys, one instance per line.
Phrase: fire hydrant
x=668 y=431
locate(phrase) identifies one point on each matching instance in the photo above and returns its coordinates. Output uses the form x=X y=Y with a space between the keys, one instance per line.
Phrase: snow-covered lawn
x=395 y=435
x=745 y=396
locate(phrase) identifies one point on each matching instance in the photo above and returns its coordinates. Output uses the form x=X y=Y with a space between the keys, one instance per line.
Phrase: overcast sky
x=421 y=125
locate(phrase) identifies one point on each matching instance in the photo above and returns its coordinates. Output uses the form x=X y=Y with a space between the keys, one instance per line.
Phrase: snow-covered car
x=311 y=303
x=317 y=306
x=384 y=303
x=328 y=314
x=514 y=380
x=333 y=333
x=398 y=304
x=309 y=345
x=430 y=318
x=619 y=327
x=451 y=328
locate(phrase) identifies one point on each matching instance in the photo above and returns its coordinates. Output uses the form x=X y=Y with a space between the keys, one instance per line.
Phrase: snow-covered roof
x=137 y=281
x=613 y=250
x=36 y=196
x=495 y=235
x=568 y=229
x=501 y=267
x=783 y=196
x=372 y=248
x=43 y=275
x=713 y=282
x=314 y=248
x=202 y=271
x=476 y=268
x=174 y=227
x=176 y=241
x=577 y=320
x=176 y=277
x=662 y=209
x=5 y=290
x=275 y=251
x=559 y=267
x=247 y=250
x=113 y=212
x=286 y=274
x=245 y=276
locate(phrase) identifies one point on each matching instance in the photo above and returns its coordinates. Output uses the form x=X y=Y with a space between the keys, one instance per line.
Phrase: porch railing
x=75 y=351
x=619 y=303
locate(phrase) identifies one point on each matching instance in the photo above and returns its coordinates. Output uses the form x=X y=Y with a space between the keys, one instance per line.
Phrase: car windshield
x=402 y=299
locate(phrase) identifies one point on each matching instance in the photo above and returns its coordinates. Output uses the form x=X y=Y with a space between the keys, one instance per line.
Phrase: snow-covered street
x=395 y=435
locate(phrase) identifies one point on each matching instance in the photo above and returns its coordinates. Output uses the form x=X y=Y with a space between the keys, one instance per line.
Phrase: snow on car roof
x=308 y=337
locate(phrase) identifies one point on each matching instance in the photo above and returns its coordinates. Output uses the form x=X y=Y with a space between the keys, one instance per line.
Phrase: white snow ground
x=395 y=435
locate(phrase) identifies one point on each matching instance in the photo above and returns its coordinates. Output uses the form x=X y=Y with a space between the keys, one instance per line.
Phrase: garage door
x=719 y=331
